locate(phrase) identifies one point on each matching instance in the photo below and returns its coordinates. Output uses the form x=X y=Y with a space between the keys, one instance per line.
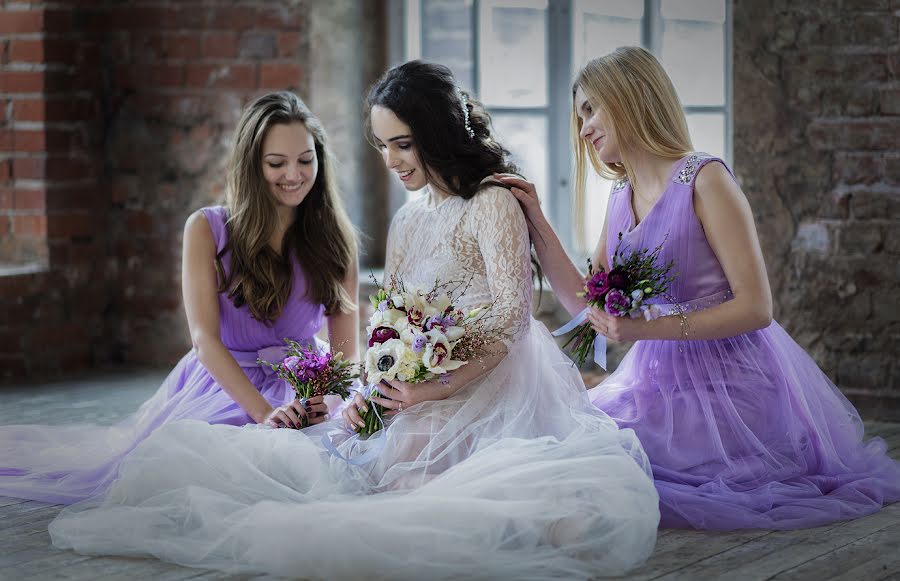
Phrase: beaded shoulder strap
x=693 y=164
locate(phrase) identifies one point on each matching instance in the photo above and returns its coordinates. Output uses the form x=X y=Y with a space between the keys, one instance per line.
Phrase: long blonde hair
x=640 y=101
x=322 y=238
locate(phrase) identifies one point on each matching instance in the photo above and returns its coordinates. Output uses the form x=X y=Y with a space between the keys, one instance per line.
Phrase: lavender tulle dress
x=743 y=432
x=65 y=464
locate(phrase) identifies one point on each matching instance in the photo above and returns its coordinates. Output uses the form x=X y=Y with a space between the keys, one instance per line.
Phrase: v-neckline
x=633 y=215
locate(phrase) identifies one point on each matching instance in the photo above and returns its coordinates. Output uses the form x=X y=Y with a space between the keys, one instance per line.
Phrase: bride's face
x=398 y=150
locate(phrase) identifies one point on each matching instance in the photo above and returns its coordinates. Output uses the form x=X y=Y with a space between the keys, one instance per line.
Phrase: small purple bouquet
x=624 y=290
x=312 y=372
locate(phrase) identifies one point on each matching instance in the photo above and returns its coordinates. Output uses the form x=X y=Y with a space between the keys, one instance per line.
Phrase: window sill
x=22 y=269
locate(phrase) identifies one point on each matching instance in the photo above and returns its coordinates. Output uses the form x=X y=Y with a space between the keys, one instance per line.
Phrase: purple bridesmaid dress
x=65 y=464
x=743 y=432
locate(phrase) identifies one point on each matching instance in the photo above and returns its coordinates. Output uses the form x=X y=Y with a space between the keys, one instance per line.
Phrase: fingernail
x=361 y=424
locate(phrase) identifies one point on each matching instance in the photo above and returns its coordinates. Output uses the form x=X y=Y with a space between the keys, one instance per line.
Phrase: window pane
x=708 y=132
x=525 y=135
x=596 y=197
x=693 y=53
x=513 y=47
x=447 y=37
x=701 y=10
x=601 y=26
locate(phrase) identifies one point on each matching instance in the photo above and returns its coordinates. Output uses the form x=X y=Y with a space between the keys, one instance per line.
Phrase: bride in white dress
x=505 y=471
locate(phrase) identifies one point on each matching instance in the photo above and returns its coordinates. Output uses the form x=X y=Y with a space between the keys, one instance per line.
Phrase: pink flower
x=617 y=304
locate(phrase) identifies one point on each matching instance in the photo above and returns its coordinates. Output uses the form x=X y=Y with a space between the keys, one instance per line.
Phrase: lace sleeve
x=498 y=225
x=395 y=250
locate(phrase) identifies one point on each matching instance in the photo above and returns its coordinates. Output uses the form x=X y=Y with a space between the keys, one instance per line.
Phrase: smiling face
x=596 y=128
x=394 y=139
x=289 y=163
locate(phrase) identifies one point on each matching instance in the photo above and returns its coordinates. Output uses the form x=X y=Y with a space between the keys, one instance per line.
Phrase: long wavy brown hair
x=322 y=238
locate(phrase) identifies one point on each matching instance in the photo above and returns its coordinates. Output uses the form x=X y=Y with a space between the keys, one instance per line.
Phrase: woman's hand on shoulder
x=527 y=196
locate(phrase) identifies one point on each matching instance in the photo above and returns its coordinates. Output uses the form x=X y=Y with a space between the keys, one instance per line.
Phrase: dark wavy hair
x=322 y=238
x=425 y=96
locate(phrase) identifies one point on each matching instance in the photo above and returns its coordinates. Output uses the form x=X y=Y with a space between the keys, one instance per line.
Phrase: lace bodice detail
x=485 y=237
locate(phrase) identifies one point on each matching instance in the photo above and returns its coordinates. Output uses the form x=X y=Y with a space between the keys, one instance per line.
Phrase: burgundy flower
x=618 y=278
x=382 y=334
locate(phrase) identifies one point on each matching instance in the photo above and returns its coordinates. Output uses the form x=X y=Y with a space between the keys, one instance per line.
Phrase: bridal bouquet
x=416 y=335
x=634 y=278
x=312 y=373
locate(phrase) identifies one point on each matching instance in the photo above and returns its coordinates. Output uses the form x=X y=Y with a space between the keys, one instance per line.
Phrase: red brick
x=21 y=21
x=26 y=51
x=232 y=76
x=235 y=18
x=3 y=110
x=62 y=20
x=72 y=109
x=57 y=50
x=6 y=140
x=30 y=199
x=280 y=76
x=183 y=45
x=147 y=47
x=76 y=197
x=28 y=168
x=890 y=101
x=34 y=225
x=30 y=141
x=63 y=168
x=137 y=18
x=5 y=170
x=4 y=49
x=70 y=224
x=278 y=16
x=29 y=110
x=288 y=44
x=22 y=81
x=163 y=75
x=123 y=189
x=5 y=226
x=7 y=199
x=220 y=45
x=181 y=17
x=139 y=222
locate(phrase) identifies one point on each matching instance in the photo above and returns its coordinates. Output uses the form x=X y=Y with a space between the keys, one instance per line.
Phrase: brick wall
x=182 y=72
x=53 y=208
x=817 y=149
x=115 y=122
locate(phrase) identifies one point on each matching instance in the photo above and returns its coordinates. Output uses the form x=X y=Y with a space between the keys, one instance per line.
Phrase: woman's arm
x=198 y=275
x=343 y=327
x=726 y=218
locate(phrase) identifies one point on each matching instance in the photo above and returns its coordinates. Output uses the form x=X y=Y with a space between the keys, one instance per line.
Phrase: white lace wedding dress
x=515 y=476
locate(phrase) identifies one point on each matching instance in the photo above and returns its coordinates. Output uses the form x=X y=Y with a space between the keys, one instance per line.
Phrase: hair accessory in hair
x=465 y=107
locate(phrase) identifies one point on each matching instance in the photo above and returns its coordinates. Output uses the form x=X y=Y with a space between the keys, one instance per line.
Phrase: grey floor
x=865 y=549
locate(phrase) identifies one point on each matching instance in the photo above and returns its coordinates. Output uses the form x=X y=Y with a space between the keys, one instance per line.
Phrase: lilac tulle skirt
x=747 y=432
x=66 y=464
